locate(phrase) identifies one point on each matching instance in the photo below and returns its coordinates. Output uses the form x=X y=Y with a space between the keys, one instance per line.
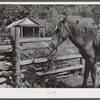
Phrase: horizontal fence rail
x=9 y=64
x=43 y=60
x=29 y=40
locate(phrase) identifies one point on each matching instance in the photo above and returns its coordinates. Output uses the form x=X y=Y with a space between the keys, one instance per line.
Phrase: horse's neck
x=79 y=36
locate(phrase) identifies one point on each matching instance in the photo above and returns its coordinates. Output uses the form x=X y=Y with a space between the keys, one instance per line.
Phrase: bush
x=52 y=82
x=31 y=79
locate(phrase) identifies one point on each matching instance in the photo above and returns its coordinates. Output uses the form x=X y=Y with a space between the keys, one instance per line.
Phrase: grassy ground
x=75 y=81
x=67 y=48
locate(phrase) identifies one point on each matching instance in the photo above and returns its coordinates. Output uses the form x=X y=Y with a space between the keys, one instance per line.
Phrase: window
x=36 y=32
x=27 y=32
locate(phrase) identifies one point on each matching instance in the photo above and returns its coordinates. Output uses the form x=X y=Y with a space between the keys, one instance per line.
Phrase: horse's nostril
x=52 y=45
x=49 y=48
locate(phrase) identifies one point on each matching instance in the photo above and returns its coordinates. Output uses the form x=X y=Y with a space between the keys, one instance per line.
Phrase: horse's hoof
x=83 y=86
x=95 y=86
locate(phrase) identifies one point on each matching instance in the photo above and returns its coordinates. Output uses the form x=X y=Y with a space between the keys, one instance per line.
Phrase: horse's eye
x=57 y=30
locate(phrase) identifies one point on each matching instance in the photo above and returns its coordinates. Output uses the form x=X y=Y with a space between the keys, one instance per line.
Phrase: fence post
x=17 y=55
x=81 y=60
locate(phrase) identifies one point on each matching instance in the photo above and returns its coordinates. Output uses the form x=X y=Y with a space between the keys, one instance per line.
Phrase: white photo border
x=47 y=92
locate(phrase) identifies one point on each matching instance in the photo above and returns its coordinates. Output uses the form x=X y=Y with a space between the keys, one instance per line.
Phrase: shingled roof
x=25 y=22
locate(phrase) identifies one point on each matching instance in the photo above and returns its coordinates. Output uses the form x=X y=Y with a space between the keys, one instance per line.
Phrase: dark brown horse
x=85 y=39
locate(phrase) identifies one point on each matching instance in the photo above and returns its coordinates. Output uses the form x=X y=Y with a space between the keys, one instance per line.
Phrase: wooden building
x=28 y=28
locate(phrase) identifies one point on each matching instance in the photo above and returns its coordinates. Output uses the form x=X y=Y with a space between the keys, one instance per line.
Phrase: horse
x=86 y=39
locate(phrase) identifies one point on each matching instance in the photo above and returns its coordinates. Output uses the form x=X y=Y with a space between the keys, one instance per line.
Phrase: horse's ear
x=64 y=20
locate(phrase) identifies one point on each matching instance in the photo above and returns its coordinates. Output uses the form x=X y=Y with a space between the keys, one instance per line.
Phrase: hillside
x=47 y=15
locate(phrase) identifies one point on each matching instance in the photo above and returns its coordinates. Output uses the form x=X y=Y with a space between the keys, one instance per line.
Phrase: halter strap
x=67 y=28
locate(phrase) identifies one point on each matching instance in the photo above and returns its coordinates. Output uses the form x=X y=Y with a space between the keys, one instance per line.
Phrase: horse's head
x=61 y=33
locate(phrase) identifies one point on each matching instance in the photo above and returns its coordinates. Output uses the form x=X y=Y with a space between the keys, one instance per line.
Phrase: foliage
x=50 y=14
x=96 y=13
x=53 y=82
x=31 y=79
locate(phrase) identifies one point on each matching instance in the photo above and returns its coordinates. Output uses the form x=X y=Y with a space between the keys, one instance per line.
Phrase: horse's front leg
x=86 y=75
x=94 y=75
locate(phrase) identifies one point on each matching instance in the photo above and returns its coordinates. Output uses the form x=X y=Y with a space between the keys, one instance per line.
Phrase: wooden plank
x=69 y=57
x=2 y=57
x=4 y=68
x=69 y=64
x=33 y=47
x=2 y=79
x=5 y=73
x=5 y=59
x=5 y=47
x=26 y=62
x=9 y=47
x=35 y=40
x=3 y=83
x=43 y=60
x=65 y=76
x=29 y=40
x=63 y=73
x=40 y=60
x=3 y=63
x=33 y=61
x=64 y=70
x=61 y=70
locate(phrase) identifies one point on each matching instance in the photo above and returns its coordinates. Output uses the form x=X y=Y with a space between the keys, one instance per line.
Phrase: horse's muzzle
x=52 y=48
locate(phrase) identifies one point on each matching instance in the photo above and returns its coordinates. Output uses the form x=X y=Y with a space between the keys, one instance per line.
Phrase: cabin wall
x=36 y=32
x=26 y=32
x=41 y=32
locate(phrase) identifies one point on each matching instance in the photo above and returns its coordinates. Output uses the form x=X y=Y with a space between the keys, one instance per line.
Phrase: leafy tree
x=96 y=12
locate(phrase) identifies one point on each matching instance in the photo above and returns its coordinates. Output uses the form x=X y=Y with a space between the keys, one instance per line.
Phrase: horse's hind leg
x=86 y=75
x=94 y=75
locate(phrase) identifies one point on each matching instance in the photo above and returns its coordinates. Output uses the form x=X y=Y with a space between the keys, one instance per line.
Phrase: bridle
x=67 y=29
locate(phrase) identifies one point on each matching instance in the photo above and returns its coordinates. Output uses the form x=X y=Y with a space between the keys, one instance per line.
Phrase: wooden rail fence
x=10 y=62
x=10 y=57
x=13 y=63
x=5 y=68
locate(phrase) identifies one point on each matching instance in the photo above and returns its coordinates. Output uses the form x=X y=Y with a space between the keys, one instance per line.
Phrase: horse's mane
x=84 y=32
x=81 y=25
